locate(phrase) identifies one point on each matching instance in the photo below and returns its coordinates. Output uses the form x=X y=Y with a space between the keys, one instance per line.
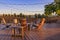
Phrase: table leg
x=22 y=33
x=13 y=32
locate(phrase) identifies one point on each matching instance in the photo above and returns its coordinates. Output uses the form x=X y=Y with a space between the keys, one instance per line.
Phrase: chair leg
x=22 y=33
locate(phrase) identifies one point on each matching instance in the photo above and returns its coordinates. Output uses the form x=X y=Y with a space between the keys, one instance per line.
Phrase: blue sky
x=24 y=6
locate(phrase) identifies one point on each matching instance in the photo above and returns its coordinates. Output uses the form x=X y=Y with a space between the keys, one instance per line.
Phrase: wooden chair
x=4 y=21
x=40 y=25
x=24 y=23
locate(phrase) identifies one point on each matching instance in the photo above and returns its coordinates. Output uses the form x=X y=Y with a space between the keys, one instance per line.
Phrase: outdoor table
x=14 y=32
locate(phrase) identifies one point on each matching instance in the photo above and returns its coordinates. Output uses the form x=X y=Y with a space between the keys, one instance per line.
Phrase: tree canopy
x=50 y=8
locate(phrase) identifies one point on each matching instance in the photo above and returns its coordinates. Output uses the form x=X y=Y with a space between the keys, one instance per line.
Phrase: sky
x=28 y=7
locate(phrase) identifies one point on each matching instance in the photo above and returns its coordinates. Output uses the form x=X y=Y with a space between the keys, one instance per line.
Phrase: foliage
x=58 y=12
x=50 y=8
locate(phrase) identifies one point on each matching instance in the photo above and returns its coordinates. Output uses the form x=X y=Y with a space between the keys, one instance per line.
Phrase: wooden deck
x=49 y=32
x=44 y=34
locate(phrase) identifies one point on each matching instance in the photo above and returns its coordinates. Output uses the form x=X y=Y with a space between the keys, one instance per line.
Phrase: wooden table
x=14 y=32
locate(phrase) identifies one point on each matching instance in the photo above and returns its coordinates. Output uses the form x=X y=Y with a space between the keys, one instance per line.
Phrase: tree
x=39 y=15
x=50 y=8
x=14 y=14
x=17 y=15
x=3 y=14
x=21 y=14
x=58 y=12
x=36 y=16
x=8 y=14
x=29 y=16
